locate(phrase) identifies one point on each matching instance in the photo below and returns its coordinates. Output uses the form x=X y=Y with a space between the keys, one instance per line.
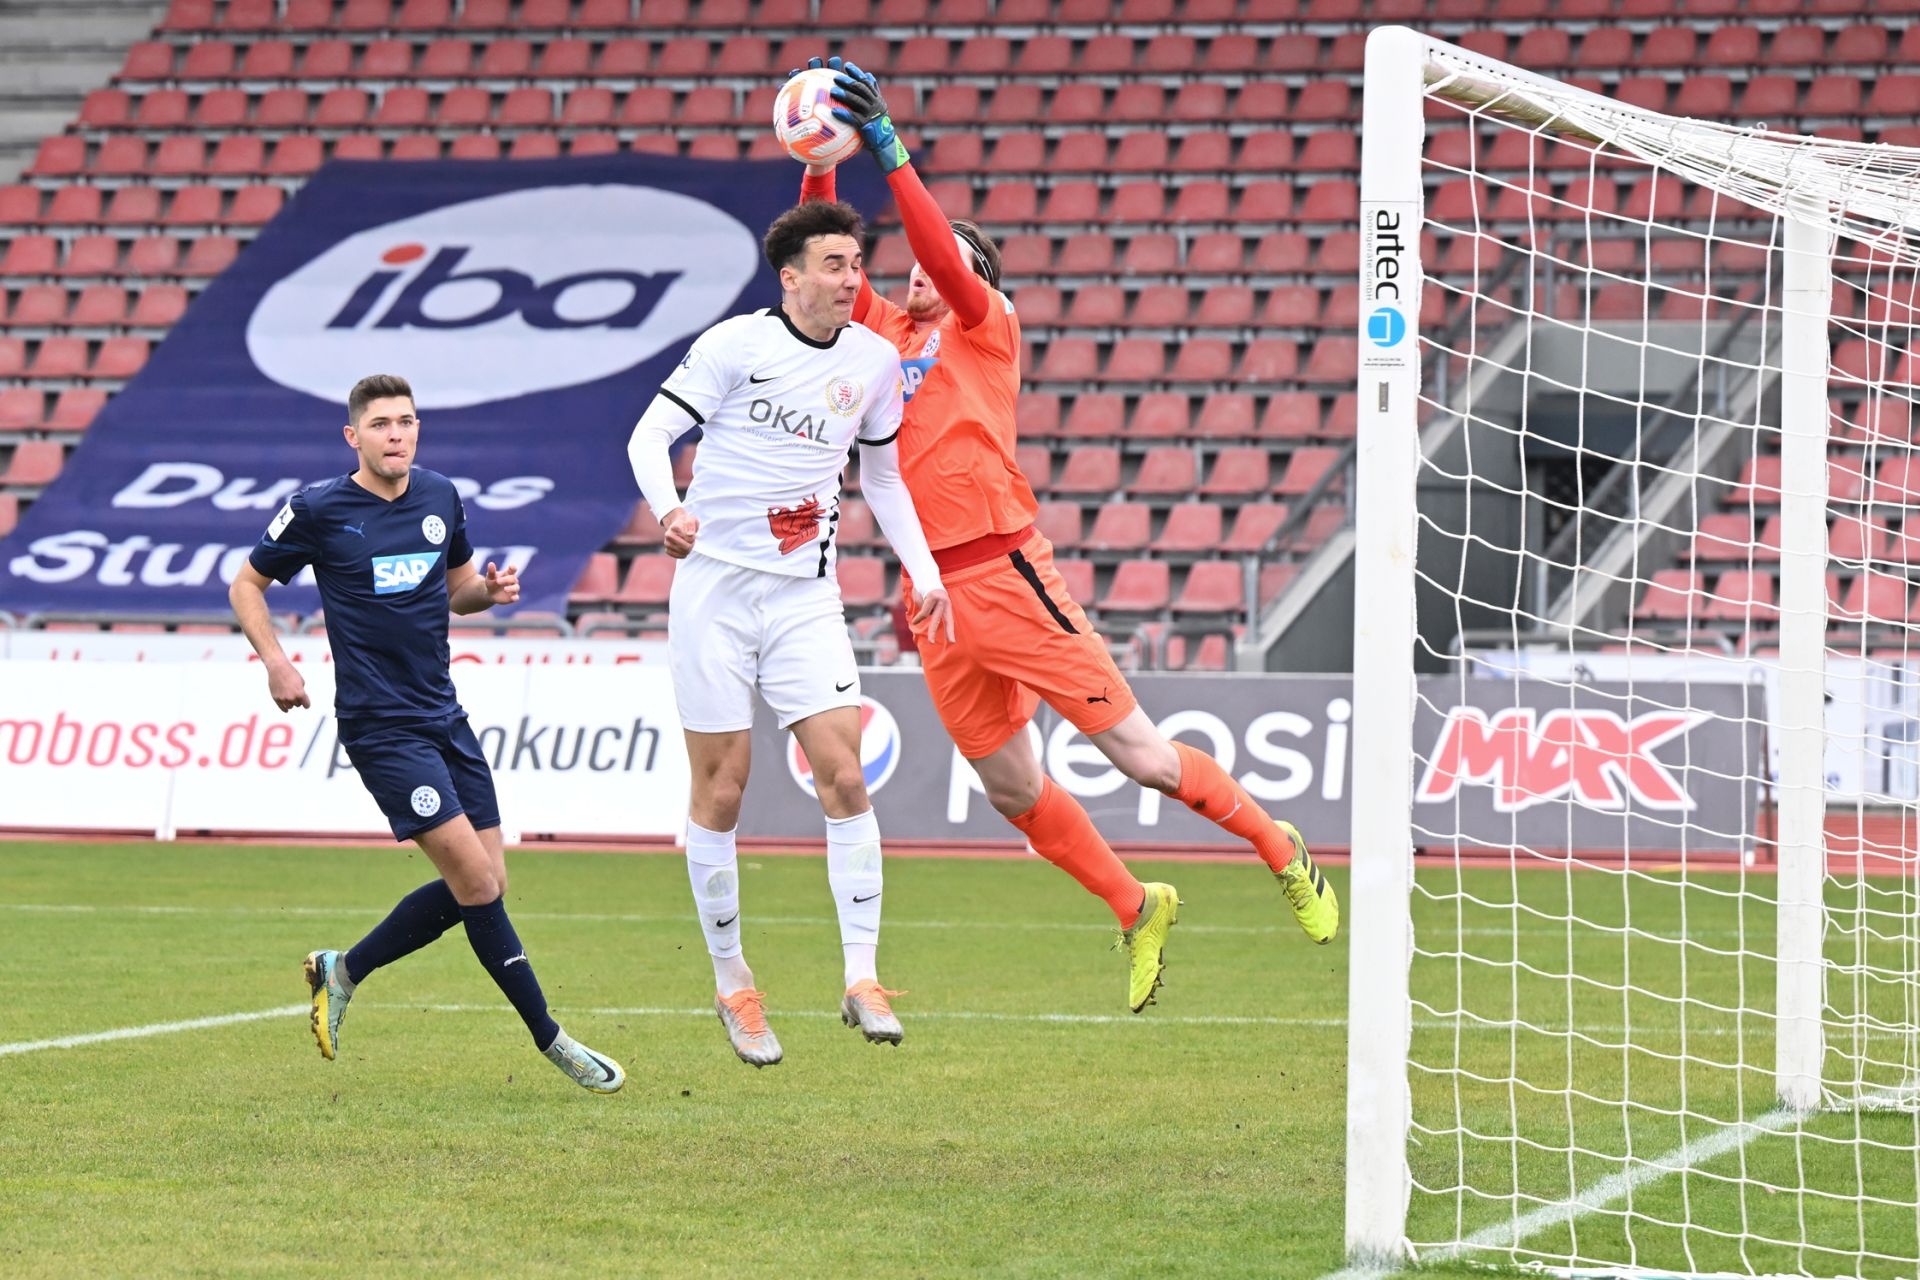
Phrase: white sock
x=853 y=872
x=714 y=872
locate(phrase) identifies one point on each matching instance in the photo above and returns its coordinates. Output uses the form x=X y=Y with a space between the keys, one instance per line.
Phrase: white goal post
x=1634 y=922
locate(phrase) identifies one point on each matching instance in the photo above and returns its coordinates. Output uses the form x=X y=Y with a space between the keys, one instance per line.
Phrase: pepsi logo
x=879 y=750
x=504 y=296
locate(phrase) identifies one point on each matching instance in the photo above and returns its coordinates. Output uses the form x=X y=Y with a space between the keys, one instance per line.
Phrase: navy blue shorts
x=422 y=772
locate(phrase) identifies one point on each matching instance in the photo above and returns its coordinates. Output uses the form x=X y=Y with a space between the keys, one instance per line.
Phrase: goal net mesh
x=1605 y=532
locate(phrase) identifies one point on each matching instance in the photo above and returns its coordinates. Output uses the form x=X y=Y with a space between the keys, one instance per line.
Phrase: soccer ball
x=803 y=119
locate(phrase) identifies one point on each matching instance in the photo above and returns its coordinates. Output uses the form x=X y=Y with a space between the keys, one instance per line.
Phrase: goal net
x=1635 y=922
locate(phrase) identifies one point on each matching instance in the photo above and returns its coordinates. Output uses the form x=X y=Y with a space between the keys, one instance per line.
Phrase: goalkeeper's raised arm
x=941 y=247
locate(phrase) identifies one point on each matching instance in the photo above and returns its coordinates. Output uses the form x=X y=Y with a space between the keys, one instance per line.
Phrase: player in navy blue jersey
x=388 y=547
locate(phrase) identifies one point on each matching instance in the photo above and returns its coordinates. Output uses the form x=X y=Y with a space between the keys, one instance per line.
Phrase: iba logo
x=505 y=296
x=879 y=749
x=1601 y=760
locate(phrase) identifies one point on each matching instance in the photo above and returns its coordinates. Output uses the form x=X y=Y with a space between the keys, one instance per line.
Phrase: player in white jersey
x=781 y=397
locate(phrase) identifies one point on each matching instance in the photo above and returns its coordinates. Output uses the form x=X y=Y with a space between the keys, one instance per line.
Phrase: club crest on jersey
x=932 y=348
x=844 y=396
x=435 y=529
x=395 y=574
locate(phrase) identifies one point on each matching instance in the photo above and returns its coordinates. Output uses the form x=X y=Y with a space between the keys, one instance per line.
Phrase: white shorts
x=730 y=628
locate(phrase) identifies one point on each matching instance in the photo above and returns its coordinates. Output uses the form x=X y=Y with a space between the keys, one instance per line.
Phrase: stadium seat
x=648 y=581
x=1151 y=253
x=1191 y=527
x=1089 y=470
x=1253 y=527
x=1238 y=471
x=1138 y=586
x=1202 y=360
x=34 y=463
x=1304 y=469
x=119 y=358
x=159 y=306
x=13 y=357
x=1165 y=470
x=1138 y=360
x=1724 y=536
x=1850 y=539
x=22 y=408
x=1095 y=415
x=47 y=304
x=641 y=529
x=1671 y=595
x=1069 y=360
x=599 y=581
x=1120 y=527
x=1160 y=415
x=76 y=408
x=1035 y=462
x=863 y=581
x=1212 y=586
x=1874 y=597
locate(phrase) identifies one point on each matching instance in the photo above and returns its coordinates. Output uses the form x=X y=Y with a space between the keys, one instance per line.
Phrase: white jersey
x=780 y=413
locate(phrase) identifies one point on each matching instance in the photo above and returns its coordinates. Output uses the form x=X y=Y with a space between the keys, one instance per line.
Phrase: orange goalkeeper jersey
x=957 y=439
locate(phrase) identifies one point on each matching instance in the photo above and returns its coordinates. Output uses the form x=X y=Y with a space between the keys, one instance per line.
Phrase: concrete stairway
x=51 y=53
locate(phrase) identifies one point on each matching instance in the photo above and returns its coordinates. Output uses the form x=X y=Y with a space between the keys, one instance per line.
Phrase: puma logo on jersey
x=796 y=527
x=393 y=574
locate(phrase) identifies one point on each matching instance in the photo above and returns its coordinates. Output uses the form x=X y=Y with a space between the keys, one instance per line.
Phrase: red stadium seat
x=1240 y=471
x=1096 y=415
x=1090 y=470
x=59 y=359
x=1166 y=469
x=13 y=357
x=1835 y=95
x=21 y=409
x=1253 y=527
x=1874 y=597
x=1672 y=595
x=1213 y=586
x=424 y=15
x=1088 y=253
x=120 y=358
x=1160 y=306
x=76 y=408
x=34 y=463
x=464 y=107
x=537 y=146
x=100 y=255
x=474 y=146
x=863 y=581
x=1005 y=203
x=1211 y=151
x=296 y=155
x=1153 y=253
x=159 y=306
x=1851 y=539
x=506 y=60
x=30 y=256
x=106 y=109
x=599 y=581
x=484 y=14
x=1035 y=462
x=1138 y=586
x=80 y=206
x=1201 y=202
x=1069 y=360
x=147 y=60
x=1097 y=306
x=1225 y=253
x=1070 y=202
x=1059 y=523
x=1318 y=100
x=648 y=581
x=98 y=306
x=1305 y=468
x=1270 y=360
x=1136 y=360
x=1120 y=526
x=1202 y=360
x=525 y=107
x=1037 y=413
x=48 y=304
x=1191 y=527
x=1229 y=414
x=1198 y=101
x=641 y=530
x=1160 y=415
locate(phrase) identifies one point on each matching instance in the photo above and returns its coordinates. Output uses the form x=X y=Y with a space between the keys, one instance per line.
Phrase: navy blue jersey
x=382 y=571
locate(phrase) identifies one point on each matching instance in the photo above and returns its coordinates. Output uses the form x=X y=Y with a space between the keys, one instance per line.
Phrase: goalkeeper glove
x=864 y=109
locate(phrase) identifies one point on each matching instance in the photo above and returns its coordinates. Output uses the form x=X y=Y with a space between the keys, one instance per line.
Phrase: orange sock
x=1211 y=792
x=1062 y=833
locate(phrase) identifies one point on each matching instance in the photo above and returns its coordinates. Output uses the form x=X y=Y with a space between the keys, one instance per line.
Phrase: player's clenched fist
x=503 y=585
x=681 y=527
x=286 y=686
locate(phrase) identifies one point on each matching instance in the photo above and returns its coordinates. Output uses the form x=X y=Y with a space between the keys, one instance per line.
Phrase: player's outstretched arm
x=248 y=596
x=886 y=494
x=927 y=229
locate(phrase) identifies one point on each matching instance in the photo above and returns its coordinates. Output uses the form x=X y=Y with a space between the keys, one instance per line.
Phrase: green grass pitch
x=1029 y=1127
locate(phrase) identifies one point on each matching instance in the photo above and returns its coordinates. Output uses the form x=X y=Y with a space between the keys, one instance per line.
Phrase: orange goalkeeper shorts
x=1020 y=638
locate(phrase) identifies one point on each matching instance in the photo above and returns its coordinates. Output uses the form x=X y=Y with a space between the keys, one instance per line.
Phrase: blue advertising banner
x=535 y=306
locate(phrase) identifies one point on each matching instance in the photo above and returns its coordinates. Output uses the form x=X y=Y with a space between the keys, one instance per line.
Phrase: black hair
x=786 y=239
x=375 y=386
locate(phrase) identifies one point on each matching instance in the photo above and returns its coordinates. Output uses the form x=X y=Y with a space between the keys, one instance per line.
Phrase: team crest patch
x=426 y=801
x=435 y=528
x=844 y=396
x=933 y=346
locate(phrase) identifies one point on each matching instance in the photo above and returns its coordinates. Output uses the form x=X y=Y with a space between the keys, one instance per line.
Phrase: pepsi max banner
x=535 y=306
x=199 y=747
x=1501 y=764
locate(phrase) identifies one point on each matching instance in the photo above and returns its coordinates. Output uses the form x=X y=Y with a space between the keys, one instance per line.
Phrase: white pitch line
x=1079 y=1019
x=1601 y=1194
x=150 y=1029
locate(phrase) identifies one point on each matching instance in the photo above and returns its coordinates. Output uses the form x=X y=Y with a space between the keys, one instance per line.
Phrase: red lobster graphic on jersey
x=795 y=526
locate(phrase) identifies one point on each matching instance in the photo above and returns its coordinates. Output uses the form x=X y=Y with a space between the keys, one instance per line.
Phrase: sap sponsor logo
x=1279 y=773
x=395 y=574
x=880 y=746
x=914 y=372
x=1385 y=327
x=507 y=295
x=1598 y=758
x=176 y=484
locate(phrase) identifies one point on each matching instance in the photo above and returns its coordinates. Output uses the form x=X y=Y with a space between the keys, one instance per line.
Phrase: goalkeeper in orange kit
x=1021 y=636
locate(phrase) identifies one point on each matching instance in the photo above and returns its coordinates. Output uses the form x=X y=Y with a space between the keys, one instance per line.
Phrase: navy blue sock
x=418 y=919
x=505 y=960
